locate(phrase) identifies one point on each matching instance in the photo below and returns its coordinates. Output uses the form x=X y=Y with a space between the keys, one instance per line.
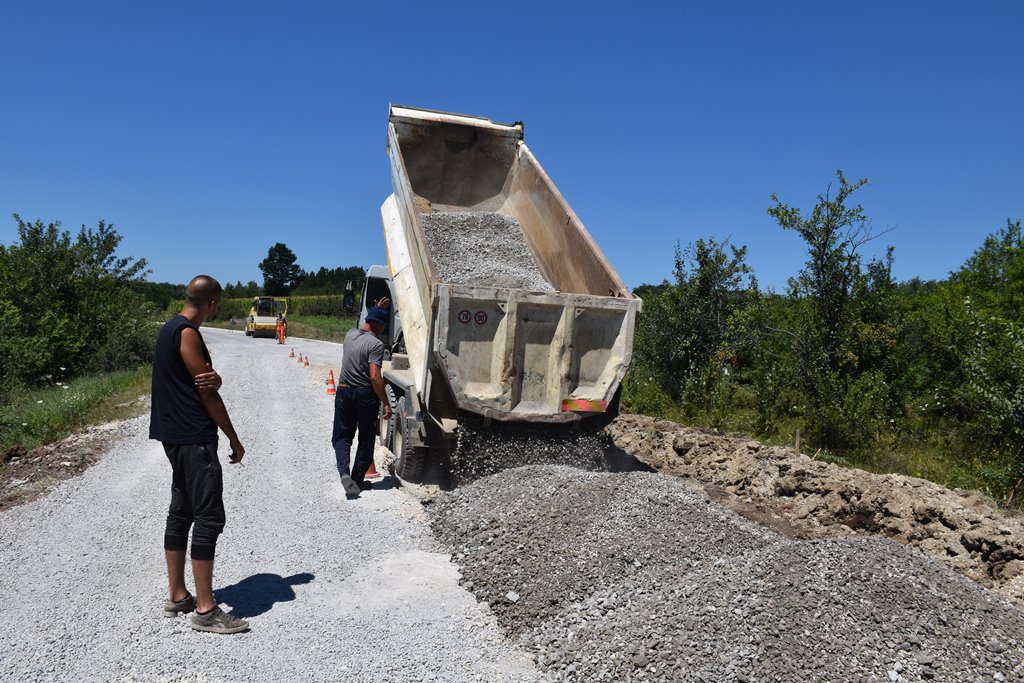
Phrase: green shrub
x=69 y=303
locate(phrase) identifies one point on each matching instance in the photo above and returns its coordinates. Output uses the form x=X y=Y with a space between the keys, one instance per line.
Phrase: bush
x=995 y=396
x=69 y=304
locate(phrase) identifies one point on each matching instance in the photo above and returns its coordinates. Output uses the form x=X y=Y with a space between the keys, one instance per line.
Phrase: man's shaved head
x=202 y=290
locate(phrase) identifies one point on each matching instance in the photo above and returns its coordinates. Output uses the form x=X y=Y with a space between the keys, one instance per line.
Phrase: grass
x=322 y=327
x=45 y=415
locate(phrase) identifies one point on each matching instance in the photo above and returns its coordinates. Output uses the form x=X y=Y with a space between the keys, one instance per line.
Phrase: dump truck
x=262 y=318
x=545 y=357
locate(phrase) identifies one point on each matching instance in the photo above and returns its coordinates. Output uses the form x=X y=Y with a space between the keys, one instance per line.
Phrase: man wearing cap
x=359 y=397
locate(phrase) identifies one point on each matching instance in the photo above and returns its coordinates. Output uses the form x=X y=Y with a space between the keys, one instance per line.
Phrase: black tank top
x=177 y=415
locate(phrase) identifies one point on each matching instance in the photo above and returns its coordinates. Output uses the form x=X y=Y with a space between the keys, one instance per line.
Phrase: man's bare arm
x=192 y=355
x=209 y=379
x=377 y=382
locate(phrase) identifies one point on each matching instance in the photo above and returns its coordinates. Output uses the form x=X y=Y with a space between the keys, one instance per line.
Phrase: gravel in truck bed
x=481 y=249
x=638 y=576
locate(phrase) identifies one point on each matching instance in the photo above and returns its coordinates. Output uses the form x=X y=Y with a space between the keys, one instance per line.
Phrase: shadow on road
x=257 y=594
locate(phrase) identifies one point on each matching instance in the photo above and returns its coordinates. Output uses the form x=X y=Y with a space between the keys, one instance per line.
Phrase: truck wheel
x=386 y=428
x=409 y=461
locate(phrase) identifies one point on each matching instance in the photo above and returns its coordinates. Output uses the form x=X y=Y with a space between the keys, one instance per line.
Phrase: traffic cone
x=331 y=390
x=305 y=362
x=372 y=473
x=292 y=354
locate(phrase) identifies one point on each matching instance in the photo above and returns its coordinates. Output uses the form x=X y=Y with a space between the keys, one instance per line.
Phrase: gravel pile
x=481 y=249
x=639 y=577
x=482 y=452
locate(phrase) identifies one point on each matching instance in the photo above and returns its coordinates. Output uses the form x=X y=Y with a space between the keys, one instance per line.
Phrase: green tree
x=160 y=294
x=994 y=393
x=69 y=305
x=331 y=281
x=681 y=333
x=994 y=274
x=240 y=291
x=280 y=272
x=833 y=323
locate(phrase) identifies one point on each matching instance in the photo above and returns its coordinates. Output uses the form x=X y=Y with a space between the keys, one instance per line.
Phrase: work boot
x=350 y=486
x=218 y=621
x=173 y=608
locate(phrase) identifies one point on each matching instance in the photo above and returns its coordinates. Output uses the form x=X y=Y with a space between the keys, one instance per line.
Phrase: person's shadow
x=257 y=594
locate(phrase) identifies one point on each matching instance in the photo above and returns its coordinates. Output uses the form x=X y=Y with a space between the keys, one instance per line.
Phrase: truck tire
x=386 y=428
x=409 y=461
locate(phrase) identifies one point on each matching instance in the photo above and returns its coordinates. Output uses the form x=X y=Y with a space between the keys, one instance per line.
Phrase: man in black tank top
x=185 y=414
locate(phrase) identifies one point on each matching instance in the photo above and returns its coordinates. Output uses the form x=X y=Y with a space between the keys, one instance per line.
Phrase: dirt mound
x=805 y=498
x=25 y=475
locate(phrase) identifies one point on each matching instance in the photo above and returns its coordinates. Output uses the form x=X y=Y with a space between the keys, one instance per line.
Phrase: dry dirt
x=806 y=499
x=25 y=475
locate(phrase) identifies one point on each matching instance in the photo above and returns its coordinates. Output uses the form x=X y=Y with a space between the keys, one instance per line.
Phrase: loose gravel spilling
x=482 y=249
x=484 y=451
x=637 y=576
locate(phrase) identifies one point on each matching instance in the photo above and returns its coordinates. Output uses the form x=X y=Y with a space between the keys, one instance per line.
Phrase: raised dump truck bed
x=554 y=354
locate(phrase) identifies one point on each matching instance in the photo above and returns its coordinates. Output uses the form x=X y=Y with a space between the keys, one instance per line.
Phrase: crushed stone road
x=333 y=589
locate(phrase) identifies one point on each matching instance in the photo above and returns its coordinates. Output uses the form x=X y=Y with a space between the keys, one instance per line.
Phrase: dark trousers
x=197 y=487
x=355 y=409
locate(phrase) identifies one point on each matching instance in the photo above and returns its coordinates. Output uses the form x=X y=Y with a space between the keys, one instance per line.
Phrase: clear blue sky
x=208 y=131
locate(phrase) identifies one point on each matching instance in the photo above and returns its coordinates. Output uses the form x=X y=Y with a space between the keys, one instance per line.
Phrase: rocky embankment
x=804 y=498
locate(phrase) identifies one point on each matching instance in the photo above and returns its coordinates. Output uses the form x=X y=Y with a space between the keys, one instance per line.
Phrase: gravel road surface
x=558 y=574
x=333 y=589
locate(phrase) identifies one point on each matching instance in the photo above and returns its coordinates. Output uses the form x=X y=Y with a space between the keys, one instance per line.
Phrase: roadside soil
x=26 y=475
x=803 y=498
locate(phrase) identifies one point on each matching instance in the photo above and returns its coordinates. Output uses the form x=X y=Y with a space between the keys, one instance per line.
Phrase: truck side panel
x=552 y=230
x=409 y=283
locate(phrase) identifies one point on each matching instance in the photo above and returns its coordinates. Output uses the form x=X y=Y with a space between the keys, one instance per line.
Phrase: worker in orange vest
x=281 y=329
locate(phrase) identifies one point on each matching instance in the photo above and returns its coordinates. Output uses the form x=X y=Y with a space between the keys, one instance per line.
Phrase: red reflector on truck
x=579 y=405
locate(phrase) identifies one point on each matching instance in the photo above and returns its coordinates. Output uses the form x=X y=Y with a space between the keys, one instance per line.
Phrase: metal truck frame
x=483 y=355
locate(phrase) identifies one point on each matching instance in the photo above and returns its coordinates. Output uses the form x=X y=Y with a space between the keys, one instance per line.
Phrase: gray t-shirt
x=361 y=348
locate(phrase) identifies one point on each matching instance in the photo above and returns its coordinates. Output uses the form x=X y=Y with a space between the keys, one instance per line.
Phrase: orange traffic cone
x=331 y=390
x=305 y=362
x=292 y=354
x=372 y=473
